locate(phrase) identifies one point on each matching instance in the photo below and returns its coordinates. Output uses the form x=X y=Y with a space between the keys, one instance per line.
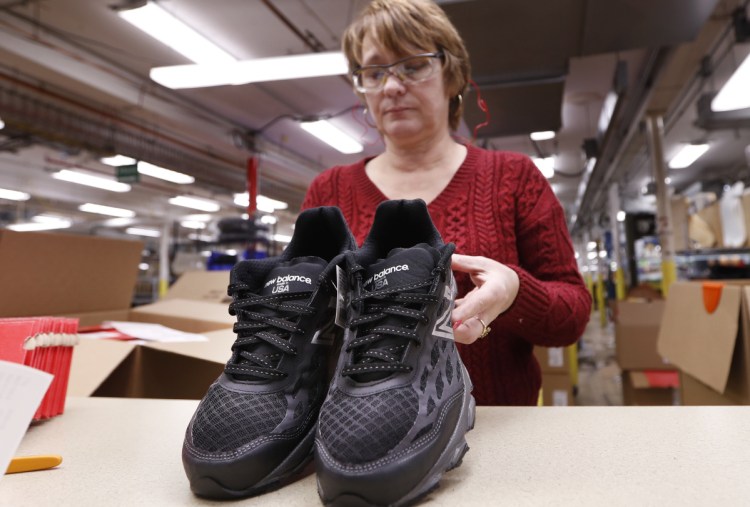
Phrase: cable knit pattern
x=500 y=206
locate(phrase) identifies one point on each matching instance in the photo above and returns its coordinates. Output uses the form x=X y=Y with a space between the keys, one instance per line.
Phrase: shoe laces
x=264 y=327
x=379 y=346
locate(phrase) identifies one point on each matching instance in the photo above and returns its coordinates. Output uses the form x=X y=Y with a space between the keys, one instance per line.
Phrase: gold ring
x=485 y=328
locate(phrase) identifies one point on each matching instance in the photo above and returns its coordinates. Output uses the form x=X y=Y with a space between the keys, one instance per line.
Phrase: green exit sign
x=128 y=173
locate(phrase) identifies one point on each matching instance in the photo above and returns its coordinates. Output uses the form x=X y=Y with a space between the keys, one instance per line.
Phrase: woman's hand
x=496 y=289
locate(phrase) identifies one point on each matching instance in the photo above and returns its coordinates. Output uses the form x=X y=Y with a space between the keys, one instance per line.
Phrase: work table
x=126 y=452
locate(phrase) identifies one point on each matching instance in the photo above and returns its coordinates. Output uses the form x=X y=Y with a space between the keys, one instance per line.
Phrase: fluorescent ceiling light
x=14 y=195
x=546 y=166
x=40 y=226
x=262 y=203
x=106 y=210
x=331 y=135
x=542 y=136
x=608 y=109
x=117 y=160
x=2 y=124
x=592 y=255
x=268 y=219
x=591 y=245
x=734 y=94
x=198 y=217
x=164 y=27
x=258 y=70
x=164 y=174
x=118 y=222
x=621 y=216
x=187 y=201
x=48 y=219
x=143 y=266
x=282 y=238
x=267 y=201
x=688 y=154
x=139 y=231
x=193 y=224
x=91 y=180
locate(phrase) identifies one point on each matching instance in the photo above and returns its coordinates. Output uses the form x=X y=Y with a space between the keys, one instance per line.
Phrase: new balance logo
x=282 y=282
x=380 y=278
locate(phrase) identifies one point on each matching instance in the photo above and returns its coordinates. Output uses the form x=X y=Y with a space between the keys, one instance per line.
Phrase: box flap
x=217 y=349
x=208 y=286
x=56 y=274
x=185 y=315
x=93 y=362
x=701 y=344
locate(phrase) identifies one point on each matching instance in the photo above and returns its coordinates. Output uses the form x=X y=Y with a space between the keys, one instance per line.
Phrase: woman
x=518 y=281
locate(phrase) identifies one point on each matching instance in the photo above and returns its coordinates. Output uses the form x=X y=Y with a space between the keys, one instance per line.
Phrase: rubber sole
x=451 y=457
x=288 y=471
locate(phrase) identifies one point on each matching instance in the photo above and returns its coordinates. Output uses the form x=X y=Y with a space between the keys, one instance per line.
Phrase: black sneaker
x=400 y=402
x=255 y=427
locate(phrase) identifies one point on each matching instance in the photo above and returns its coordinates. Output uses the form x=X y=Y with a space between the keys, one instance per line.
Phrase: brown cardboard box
x=636 y=332
x=712 y=347
x=151 y=370
x=557 y=390
x=65 y=274
x=93 y=279
x=638 y=389
x=712 y=217
x=553 y=359
x=694 y=392
x=209 y=286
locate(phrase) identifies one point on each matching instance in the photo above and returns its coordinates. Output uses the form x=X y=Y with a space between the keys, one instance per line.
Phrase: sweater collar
x=373 y=195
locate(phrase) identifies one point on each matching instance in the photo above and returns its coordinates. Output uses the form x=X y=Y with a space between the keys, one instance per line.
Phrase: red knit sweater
x=497 y=205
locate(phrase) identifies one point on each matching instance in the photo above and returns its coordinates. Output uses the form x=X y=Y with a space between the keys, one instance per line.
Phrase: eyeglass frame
x=388 y=72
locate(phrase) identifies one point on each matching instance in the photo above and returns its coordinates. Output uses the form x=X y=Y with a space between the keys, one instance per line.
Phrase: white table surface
x=127 y=452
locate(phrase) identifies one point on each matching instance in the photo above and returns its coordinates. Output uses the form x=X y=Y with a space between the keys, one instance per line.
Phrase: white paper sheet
x=21 y=391
x=155 y=332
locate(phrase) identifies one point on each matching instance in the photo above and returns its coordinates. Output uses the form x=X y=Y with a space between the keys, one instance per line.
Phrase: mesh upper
x=361 y=429
x=227 y=420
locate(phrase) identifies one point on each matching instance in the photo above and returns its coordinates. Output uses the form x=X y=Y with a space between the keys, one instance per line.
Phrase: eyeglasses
x=410 y=70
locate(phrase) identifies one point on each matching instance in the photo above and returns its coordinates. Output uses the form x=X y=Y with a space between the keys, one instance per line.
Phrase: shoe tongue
x=297 y=275
x=291 y=277
x=402 y=266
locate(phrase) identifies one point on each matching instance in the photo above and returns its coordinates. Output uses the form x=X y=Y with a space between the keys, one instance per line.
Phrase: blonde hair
x=401 y=26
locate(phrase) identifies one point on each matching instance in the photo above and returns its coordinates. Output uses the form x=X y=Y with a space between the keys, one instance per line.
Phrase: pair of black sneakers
x=393 y=417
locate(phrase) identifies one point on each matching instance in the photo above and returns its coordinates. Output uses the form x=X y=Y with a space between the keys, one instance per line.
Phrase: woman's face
x=406 y=112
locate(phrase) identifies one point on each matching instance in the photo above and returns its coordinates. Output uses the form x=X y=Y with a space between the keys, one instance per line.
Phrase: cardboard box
x=557 y=390
x=553 y=359
x=694 y=392
x=636 y=333
x=649 y=388
x=153 y=370
x=705 y=331
x=65 y=274
x=208 y=286
x=185 y=315
x=93 y=279
x=712 y=218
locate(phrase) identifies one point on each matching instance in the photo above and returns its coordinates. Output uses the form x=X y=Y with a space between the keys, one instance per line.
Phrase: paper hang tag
x=342 y=296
